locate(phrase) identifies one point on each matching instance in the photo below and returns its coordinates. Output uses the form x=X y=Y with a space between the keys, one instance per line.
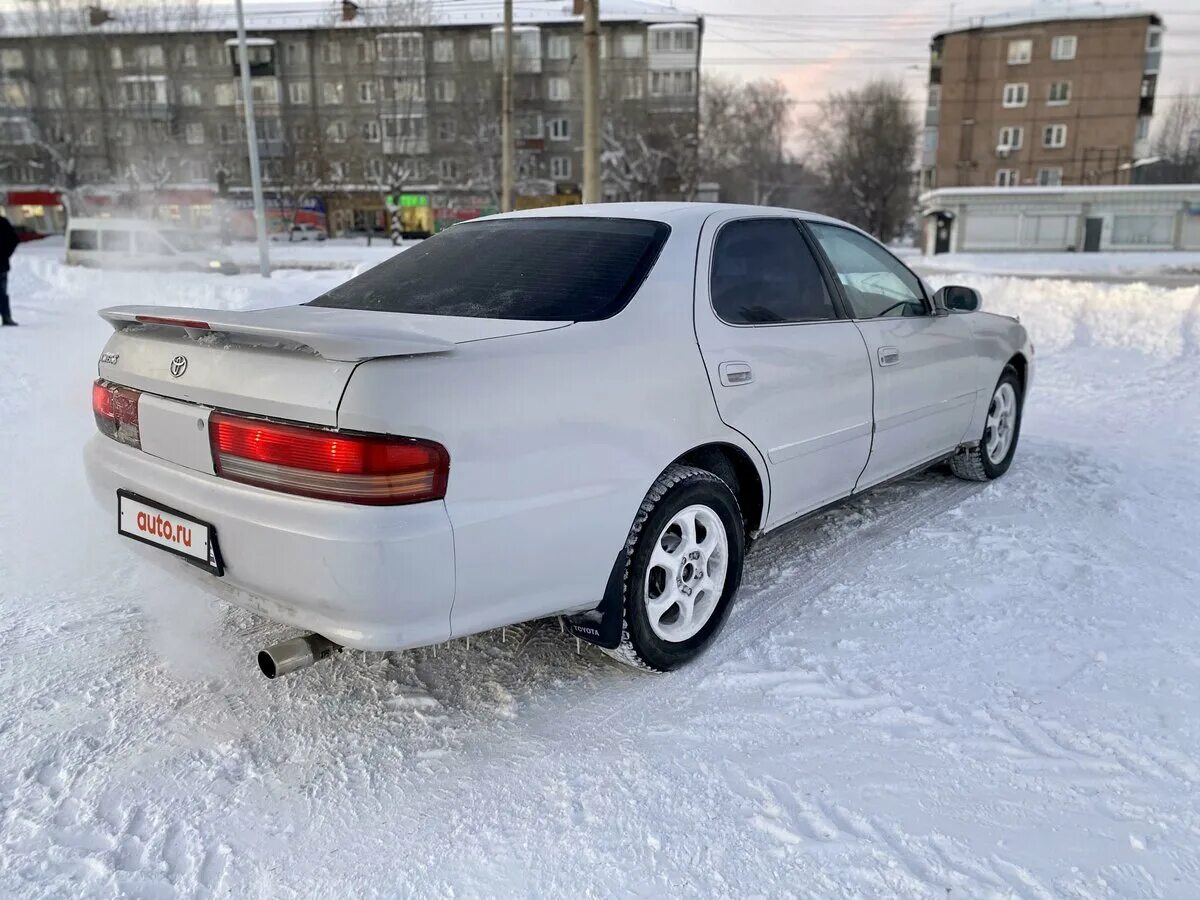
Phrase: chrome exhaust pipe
x=297 y=653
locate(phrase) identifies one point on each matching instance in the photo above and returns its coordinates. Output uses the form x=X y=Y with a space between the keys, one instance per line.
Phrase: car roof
x=673 y=213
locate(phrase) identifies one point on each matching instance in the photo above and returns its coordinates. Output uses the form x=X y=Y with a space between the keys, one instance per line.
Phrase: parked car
x=584 y=411
x=300 y=232
x=141 y=244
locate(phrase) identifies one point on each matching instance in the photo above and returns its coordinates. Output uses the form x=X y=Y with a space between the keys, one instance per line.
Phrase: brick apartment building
x=1060 y=101
x=352 y=102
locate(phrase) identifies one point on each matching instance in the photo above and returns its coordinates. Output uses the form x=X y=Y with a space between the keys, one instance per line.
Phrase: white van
x=139 y=244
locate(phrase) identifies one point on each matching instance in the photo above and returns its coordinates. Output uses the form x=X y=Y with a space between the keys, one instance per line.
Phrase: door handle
x=735 y=373
x=889 y=356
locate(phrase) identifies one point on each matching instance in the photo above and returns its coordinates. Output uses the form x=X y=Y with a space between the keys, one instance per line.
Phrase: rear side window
x=554 y=269
x=763 y=274
x=116 y=241
x=84 y=239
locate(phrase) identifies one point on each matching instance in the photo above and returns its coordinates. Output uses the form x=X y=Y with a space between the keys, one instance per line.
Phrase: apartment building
x=1055 y=101
x=352 y=103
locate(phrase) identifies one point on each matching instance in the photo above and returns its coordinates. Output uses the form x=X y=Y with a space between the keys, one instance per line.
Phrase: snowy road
x=939 y=689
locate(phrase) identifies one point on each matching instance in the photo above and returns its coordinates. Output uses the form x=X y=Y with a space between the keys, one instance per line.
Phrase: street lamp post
x=260 y=213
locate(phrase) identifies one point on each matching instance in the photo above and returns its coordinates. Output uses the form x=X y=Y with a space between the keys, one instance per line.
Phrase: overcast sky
x=814 y=47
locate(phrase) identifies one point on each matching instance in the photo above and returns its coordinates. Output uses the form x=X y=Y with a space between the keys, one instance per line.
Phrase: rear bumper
x=373 y=578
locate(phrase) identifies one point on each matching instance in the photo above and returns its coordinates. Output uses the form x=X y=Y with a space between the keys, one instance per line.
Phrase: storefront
x=40 y=211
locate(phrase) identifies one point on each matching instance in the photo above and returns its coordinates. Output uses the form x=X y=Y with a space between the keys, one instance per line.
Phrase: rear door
x=924 y=364
x=786 y=368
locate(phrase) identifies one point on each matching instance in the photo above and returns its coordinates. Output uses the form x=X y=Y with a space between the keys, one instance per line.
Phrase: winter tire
x=992 y=456
x=683 y=565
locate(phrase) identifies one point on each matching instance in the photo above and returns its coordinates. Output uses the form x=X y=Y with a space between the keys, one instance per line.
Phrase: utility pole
x=591 y=100
x=506 y=114
x=260 y=213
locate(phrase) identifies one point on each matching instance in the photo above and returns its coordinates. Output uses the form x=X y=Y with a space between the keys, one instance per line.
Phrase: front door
x=787 y=370
x=924 y=364
x=1092 y=229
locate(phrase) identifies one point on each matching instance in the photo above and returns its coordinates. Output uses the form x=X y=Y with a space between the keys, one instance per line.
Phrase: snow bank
x=1162 y=322
x=1141 y=263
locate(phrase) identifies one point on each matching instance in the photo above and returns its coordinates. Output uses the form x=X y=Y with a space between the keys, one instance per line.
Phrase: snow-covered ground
x=1134 y=264
x=939 y=689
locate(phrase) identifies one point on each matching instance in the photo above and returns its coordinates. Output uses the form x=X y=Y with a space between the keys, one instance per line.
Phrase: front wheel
x=993 y=455
x=683 y=566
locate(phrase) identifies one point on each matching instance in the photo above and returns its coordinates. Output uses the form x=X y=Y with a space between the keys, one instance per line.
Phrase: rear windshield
x=555 y=269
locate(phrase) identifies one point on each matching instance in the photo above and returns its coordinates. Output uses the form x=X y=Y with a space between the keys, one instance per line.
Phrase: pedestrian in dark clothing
x=8 y=244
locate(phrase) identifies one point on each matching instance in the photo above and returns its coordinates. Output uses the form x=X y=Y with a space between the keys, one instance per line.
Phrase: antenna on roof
x=349 y=10
x=97 y=16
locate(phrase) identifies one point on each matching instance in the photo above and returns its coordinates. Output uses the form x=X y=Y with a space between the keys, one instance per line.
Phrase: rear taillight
x=353 y=468
x=116 y=410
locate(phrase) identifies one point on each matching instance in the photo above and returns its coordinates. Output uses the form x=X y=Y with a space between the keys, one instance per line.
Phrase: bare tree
x=1177 y=141
x=743 y=128
x=863 y=145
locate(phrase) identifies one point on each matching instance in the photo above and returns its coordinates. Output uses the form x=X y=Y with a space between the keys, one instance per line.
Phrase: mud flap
x=602 y=626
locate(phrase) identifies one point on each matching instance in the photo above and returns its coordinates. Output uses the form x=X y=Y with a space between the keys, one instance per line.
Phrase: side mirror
x=958 y=298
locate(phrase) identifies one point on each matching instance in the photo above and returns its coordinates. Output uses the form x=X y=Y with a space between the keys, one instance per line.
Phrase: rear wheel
x=683 y=565
x=993 y=455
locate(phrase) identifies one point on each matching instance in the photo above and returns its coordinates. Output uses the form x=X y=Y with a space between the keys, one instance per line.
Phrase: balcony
x=260 y=55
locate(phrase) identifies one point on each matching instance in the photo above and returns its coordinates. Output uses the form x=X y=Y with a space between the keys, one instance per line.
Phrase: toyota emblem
x=178 y=366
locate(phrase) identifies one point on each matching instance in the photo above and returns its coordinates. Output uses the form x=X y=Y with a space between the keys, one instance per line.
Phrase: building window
x=1054 y=136
x=1011 y=138
x=447 y=169
x=935 y=96
x=84 y=96
x=1007 y=178
x=1060 y=93
x=116 y=58
x=1050 y=177
x=560 y=129
x=365 y=50
x=632 y=87
x=333 y=93
x=148 y=56
x=406 y=46
x=190 y=95
x=370 y=131
x=298 y=92
x=674 y=40
x=295 y=52
x=1015 y=95
x=227 y=132
x=87 y=137
x=443 y=90
x=48 y=58
x=1153 y=38
x=632 y=46
x=409 y=90
x=560 y=167
x=366 y=91
x=558 y=89
x=78 y=58
x=672 y=84
x=559 y=47
x=263 y=90
x=331 y=53
x=480 y=49
x=443 y=50
x=54 y=98
x=194 y=132
x=447 y=130
x=189 y=56
x=336 y=132
x=1063 y=47
x=1020 y=52
x=1141 y=230
x=1143 y=129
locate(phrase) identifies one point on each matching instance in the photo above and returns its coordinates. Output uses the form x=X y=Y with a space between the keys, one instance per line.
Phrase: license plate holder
x=149 y=522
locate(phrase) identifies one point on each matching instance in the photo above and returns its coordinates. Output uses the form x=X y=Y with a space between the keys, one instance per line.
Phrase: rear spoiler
x=344 y=335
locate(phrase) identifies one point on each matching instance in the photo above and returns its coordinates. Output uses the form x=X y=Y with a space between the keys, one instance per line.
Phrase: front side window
x=876 y=283
x=116 y=241
x=513 y=269
x=84 y=239
x=764 y=274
